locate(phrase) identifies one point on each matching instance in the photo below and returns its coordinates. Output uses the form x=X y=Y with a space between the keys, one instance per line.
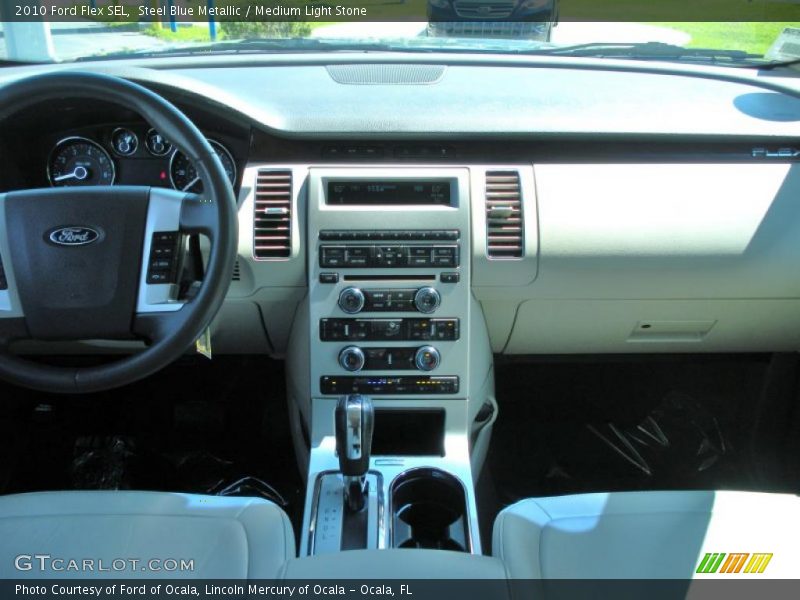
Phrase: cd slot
x=409 y=277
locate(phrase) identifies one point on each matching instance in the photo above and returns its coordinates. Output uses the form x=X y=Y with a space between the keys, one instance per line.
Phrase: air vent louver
x=504 y=218
x=272 y=222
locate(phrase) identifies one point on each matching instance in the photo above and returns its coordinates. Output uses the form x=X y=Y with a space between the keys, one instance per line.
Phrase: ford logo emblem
x=73 y=236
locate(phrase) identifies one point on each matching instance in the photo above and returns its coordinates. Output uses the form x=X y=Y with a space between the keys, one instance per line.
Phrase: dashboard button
x=427 y=358
x=351 y=300
x=352 y=358
x=389 y=256
x=444 y=261
x=331 y=256
x=419 y=256
x=358 y=256
x=449 y=277
x=370 y=151
x=387 y=329
x=427 y=300
x=328 y=277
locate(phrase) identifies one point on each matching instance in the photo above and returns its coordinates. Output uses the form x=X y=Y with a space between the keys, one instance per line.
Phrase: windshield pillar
x=28 y=41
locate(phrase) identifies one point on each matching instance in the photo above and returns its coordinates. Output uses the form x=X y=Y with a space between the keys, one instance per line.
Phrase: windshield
x=75 y=30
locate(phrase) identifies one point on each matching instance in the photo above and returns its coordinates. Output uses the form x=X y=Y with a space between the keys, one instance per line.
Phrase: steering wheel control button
x=156 y=144
x=329 y=278
x=427 y=358
x=449 y=277
x=351 y=300
x=352 y=358
x=427 y=300
x=163 y=264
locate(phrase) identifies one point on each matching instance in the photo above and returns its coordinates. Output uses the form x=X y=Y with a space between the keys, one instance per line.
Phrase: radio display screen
x=395 y=192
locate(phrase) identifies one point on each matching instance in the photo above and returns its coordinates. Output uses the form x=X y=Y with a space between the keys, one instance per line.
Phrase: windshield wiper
x=652 y=51
x=777 y=64
x=21 y=63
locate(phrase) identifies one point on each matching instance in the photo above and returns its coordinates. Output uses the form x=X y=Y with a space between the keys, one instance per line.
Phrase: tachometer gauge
x=184 y=176
x=80 y=161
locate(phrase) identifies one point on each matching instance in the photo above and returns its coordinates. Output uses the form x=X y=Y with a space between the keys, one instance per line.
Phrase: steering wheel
x=79 y=262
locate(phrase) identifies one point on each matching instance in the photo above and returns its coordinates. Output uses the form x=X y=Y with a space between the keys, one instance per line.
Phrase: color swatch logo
x=737 y=562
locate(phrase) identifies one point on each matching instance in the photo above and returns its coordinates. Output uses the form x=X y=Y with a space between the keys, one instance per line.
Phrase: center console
x=389 y=324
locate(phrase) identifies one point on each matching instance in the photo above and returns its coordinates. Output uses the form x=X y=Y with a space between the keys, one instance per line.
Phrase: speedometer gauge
x=80 y=161
x=184 y=176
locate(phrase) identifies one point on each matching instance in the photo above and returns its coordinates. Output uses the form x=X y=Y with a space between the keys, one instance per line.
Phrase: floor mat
x=642 y=424
x=198 y=426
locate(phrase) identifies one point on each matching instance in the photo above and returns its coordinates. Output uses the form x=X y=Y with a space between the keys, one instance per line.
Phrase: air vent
x=504 y=218
x=272 y=222
x=386 y=74
x=237 y=271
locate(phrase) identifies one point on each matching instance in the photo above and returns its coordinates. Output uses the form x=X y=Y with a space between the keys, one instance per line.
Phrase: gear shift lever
x=355 y=420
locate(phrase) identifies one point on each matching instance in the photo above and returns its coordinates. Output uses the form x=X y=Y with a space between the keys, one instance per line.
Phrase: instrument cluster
x=128 y=155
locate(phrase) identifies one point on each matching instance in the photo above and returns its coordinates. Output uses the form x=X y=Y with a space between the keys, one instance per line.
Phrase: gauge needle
x=190 y=184
x=79 y=173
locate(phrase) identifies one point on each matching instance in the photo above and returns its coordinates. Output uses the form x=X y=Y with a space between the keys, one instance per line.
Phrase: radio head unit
x=395 y=192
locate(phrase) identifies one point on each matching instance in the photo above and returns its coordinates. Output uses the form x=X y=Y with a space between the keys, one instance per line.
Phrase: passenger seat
x=665 y=535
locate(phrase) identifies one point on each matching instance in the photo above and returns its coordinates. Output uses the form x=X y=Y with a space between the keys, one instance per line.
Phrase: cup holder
x=429 y=510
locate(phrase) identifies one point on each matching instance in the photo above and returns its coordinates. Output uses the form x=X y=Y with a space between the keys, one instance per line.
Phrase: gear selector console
x=389 y=328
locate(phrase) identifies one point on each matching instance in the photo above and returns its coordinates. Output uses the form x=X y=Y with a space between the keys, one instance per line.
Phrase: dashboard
x=658 y=211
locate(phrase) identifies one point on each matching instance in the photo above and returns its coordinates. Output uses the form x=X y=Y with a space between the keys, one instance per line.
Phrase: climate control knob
x=427 y=300
x=352 y=358
x=351 y=300
x=427 y=358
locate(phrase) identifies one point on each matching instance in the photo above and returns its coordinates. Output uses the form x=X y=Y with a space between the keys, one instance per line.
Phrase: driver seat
x=225 y=537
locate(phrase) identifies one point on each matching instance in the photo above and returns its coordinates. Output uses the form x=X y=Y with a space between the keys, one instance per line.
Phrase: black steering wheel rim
x=215 y=216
